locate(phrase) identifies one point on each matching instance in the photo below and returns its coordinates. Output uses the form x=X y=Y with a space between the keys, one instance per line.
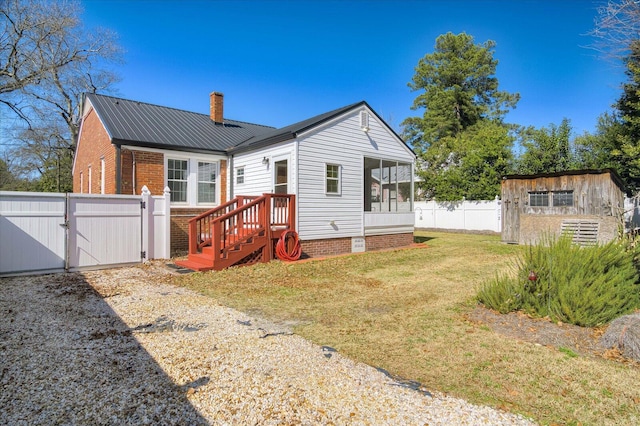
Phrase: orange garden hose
x=288 y=246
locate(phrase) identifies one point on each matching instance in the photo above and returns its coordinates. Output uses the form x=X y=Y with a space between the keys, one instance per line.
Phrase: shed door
x=510 y=219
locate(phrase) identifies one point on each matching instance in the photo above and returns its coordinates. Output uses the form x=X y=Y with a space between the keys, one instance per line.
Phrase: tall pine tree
x=461 y=138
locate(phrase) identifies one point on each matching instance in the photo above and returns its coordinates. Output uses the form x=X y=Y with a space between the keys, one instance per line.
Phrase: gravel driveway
x=123 y=346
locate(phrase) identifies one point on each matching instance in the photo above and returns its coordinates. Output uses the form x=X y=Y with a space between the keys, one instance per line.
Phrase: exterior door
x=281 y=177
x=510 y=219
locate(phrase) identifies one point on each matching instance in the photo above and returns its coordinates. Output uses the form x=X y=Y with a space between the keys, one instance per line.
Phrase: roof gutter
x=263 y=143
x=138 y=144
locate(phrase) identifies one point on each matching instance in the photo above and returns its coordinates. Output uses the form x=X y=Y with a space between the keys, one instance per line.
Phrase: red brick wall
x=180 y=227
x=223 y=181
x=149 y=171
x=94 y=144
x=333 y=246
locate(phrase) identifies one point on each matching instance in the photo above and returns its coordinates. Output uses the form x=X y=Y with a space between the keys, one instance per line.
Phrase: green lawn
x=404 y=311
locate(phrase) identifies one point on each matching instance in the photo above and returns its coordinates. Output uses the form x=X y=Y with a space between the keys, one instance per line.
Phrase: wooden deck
x=242 y=231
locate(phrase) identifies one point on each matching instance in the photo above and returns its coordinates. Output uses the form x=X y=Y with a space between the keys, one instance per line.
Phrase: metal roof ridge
x=175 y=109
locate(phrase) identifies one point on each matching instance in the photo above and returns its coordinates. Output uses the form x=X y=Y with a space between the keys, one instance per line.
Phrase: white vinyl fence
x=486 y=215
x=44 y=232
x=459 y=215
x=632 y=213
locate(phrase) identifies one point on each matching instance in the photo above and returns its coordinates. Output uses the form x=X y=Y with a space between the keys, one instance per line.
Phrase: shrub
x=587 y=286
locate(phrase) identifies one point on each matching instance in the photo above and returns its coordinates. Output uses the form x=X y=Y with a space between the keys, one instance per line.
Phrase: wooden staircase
x=239 y=232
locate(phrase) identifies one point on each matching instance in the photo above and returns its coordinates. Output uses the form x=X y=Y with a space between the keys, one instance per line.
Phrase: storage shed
x=587 y=203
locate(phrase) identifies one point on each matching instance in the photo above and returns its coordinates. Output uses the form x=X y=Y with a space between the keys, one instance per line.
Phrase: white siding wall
x=258 y=177
x=342 y=142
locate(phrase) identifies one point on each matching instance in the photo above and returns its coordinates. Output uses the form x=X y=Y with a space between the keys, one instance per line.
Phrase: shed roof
x=142 y=124
x=614 y=175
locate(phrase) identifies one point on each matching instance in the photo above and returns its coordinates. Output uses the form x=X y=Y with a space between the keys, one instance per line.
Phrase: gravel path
x=123 y=346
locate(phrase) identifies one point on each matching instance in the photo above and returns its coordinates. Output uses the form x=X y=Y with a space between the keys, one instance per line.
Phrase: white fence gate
x=43 y=232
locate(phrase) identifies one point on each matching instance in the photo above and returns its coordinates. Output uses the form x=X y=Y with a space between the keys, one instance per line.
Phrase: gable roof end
x=294 y=130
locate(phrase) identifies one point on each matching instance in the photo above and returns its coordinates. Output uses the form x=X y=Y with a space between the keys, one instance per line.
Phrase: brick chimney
x=216 y=101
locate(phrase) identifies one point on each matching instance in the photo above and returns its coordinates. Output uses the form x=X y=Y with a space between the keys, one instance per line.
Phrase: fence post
x=433 y=212
x=145 y=211
x=464 y=213
x=166 y=222
x=498 y=208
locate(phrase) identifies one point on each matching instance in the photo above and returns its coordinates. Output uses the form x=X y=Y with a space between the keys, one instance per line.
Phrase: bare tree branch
x=616 y=27
x=47 y=61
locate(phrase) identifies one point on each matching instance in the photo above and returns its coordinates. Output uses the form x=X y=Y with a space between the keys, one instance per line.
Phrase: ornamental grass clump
x=586 y=286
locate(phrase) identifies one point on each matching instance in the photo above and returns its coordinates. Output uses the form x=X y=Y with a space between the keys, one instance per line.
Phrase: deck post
x=266 y=221
x=292 y=213
x=216 y=241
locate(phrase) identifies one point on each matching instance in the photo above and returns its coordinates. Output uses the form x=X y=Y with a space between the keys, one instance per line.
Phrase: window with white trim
x=332 y=180
x=206 y=182
x=193 y=181
x=240 y=175
x=388 y=186
x=177 y=173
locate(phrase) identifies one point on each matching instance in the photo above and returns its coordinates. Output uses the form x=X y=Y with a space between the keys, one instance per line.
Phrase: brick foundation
x=334 y=246
x=379 y=242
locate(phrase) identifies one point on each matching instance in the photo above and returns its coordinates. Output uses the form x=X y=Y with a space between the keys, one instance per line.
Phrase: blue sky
x=279 y=62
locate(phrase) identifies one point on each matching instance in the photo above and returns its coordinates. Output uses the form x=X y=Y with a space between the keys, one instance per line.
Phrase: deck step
x=197 y=262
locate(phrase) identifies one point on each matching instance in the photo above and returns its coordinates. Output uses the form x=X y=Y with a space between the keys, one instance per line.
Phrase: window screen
x=539 y=199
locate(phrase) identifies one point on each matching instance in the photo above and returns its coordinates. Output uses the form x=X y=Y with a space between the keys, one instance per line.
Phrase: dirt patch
x=517 y=325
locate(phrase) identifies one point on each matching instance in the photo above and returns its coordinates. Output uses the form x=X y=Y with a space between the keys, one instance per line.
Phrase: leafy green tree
x=9 y=181
x=469 y=165
x=461 y=138
x=627 y=147
x=459 y=89
x=594 y=151
x=547 y=150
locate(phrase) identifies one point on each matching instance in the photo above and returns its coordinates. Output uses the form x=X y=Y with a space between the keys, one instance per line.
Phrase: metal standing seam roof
x=291 y=131
x=141 y=124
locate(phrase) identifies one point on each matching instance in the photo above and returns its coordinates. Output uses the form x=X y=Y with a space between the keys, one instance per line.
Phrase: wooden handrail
x=237 y=221
x=214 y=210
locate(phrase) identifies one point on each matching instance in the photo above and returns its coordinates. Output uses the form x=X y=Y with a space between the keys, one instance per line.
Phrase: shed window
x=539 y=199
x=562 y=198
x=333 y=179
